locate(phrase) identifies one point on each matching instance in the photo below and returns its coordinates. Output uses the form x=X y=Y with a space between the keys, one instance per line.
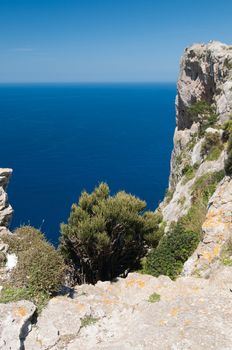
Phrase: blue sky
x=104 y=40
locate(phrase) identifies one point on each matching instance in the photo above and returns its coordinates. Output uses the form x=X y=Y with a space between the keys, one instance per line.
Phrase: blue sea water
x=61 y=139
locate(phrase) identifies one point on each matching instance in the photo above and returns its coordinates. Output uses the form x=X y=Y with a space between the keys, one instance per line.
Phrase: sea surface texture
x=61 y=139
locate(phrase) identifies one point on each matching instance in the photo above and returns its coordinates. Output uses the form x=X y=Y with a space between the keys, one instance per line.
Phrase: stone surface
x=5 y=208
x=217 y=229
x=14 y=324
x=123 y=317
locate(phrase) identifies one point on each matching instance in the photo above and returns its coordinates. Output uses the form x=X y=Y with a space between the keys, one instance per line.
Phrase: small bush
x=228 y=64
x=228 y=164
x=173 y=250
x=204 y=113
x=154 y=298
x=168 y=195
x=211 y=146
x=227 y=253
x=40 y=268
x=88 y=321
x=227 y=129
x=2 y=259
x=189 y=172
x=106 y=235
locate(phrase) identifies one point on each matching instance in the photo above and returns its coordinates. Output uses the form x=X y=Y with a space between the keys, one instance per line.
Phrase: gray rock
x=5 y=209
x=14 y=324
x=179 y=321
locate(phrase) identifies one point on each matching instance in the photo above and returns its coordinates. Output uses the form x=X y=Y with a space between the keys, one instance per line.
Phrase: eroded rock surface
x=5 y=208
x=217 y=229
x=119 y=315
x=15 y=322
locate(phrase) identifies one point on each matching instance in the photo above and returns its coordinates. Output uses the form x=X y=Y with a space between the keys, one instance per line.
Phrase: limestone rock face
x=15 y=322
x=205 y=74
x=5 y=209
x=205 y=77
x=217 y=229
x=119 y=315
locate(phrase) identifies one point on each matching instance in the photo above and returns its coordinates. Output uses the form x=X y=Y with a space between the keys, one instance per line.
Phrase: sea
x=61 y=139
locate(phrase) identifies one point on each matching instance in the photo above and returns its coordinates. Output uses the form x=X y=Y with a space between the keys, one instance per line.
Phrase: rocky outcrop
x=205 y=73
x=5 y=208
x=123 y=315
x=15 y=322
x=205 y=78
x=217 y=230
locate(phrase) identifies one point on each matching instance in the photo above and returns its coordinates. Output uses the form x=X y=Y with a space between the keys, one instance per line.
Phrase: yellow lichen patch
x=213 y=218
x=187 y=322
x=109 y=301
x=20 y=311
x=207 y=256
x=174 y=311
x=216 y=250
x=135 y=282
x=163 y=322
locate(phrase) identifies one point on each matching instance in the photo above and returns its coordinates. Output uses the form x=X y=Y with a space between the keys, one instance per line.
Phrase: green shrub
x=202 y=189
x=227 y=253
x=106 y=235
x=228 y=163
x=168 y=195
x=88 y=321
x=205 y=186
x=227 y=129
x=2 y=259
x=228 y=64
x=40 y=268
x=154 y=298
x=227 y=136
x=189 y=172
x=211 y=144
x=204 y=113
x=173 y=250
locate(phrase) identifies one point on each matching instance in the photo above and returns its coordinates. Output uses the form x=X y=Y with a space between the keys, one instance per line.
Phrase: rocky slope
x=205 y=76
x=141 y=311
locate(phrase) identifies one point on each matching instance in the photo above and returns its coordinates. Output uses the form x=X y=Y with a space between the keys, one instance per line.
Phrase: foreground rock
x=192 y=313
x=15 y=322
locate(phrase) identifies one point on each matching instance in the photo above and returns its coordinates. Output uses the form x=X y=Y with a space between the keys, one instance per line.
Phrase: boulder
x=15 y=323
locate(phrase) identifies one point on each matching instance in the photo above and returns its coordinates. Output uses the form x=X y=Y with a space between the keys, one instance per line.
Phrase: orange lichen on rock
x=135 y=282
x=20 y=311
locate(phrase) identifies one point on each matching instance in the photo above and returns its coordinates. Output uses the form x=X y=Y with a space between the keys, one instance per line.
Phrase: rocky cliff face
x=138 y=312
x=203 y=105
x=5 y=208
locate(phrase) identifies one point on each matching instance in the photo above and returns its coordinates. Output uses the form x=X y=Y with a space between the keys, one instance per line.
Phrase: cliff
x=203 y=105
x=141 y=311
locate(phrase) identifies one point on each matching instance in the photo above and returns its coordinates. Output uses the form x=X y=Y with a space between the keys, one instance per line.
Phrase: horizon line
x=84 y=82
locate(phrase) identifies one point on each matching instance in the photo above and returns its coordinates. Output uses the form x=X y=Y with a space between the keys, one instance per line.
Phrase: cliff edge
x=140 y=311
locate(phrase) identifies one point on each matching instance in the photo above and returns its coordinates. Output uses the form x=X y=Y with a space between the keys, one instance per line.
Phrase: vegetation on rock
x=154 y=298
x=212 y=146
x=227 y=136
x=106 y=235
x=173 y=250
x=203 y=113
x=40 y=268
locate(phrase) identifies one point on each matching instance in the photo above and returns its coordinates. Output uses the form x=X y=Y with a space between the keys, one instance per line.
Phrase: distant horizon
x=86 y=82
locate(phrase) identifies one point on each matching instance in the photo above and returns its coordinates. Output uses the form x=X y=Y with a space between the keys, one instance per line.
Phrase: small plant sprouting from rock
x=212 y=146
x=227 y=253
x=228 y=64
x=154 y=298
x=227 y=136
x=88 y=321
